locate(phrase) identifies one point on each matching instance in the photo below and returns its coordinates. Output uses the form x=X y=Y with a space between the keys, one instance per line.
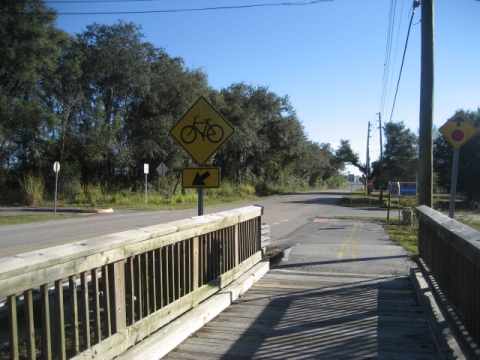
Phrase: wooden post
x=46 y=328
x=29 y=325
x=196 y=262
x=117 y=295
x=60 y=322
x=13 y=326
x=237 y=248
x=425 y=140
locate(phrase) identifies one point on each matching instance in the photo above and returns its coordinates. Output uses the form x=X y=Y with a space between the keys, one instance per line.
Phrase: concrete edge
x=173 y=334
x=452 y=341
x=60 y=210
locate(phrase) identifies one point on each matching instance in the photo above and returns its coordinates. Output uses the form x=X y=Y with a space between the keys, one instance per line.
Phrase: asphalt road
x=283 y=213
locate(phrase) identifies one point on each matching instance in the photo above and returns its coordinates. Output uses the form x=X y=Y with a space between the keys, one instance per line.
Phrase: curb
x=61 y=210
x=97 y=211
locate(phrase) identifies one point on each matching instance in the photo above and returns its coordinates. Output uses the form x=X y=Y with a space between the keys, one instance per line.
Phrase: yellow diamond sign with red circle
x=201 y=131
x=457 y=131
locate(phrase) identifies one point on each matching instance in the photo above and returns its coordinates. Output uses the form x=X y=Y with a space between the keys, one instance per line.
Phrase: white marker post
x=145 y=170
x=56 y=168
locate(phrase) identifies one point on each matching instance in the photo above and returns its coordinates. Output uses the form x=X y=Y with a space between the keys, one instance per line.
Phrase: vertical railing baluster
x=59 y=316
x=117 y=294
x=196 y=263
x=138 y=287
x=153 y=282
x=146 y=284
x=46 y=328
x=97 y=323
x=74 y=336
x=107 y=315
x=29 y=323
x=13 y=326
x=85 y=311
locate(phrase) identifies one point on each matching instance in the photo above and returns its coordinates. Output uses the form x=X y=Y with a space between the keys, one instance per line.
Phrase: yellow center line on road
x=353 y=250
x=344 y=245
x=355 y=234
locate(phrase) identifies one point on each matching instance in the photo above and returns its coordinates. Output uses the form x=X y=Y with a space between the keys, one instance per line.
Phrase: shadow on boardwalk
x=300 y=315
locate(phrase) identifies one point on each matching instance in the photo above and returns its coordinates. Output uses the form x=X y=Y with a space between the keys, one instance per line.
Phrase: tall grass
x=34 y=188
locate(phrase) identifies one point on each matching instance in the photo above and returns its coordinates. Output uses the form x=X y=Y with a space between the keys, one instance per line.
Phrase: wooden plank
x=46 y=326
x=368 y=318
x=117 y=296
x=29 y=324
x=13 y=326
x=97 y=323
x=75 y=336
x=59 y=316
x=85 y=310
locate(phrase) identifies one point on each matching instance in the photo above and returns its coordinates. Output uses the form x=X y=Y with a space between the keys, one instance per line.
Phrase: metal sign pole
x=145 y=189
x=56 y=186
x=200 y=201
x=453 y=189
x=146 y=170
x=56 y=168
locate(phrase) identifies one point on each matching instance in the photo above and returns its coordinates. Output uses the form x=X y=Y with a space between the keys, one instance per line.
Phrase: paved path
x=343 y=291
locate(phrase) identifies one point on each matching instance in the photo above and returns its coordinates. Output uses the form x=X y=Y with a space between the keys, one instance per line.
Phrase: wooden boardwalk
x=291 y=314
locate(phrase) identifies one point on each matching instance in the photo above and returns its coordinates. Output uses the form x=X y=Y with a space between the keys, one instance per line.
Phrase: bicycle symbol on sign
x=214 y=133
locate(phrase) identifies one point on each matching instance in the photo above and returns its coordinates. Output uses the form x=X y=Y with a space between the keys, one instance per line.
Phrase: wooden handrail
x=451 y=251
x=98 y=297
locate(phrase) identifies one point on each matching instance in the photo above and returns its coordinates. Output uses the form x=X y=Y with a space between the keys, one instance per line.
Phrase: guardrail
x=451 y=251
x=99 y=297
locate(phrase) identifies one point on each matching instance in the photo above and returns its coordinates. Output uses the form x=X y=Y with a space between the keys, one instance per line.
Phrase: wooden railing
x=451 y=251
x=99 y=297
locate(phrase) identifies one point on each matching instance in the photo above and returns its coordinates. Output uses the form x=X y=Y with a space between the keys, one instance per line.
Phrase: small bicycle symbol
x=214 y=133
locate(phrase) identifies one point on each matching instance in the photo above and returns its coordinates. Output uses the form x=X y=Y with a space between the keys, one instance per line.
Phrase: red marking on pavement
x=319 y=220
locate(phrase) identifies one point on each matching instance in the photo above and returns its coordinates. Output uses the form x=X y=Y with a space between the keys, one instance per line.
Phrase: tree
x=171 y=90
x=317 y=164
x=268 y=136
x=400 y=156
x=29 y=53
x=115 y=69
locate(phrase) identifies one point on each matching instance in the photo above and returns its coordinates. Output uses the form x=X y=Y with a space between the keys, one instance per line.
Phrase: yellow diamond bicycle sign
x=201 y=131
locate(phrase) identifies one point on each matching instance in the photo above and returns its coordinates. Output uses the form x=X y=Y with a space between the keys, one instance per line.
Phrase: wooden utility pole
x=381 y=158
x=425 y=158
x=367 y=167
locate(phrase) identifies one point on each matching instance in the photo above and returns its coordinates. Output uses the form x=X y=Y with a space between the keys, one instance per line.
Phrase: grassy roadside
x=13 y=219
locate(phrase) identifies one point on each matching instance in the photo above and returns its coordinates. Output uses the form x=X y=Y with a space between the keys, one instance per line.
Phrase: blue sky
x=328 y=57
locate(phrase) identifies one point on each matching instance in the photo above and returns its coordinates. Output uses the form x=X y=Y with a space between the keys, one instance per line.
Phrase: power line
x=388 y=50
x=415 y=5
x=295 y=3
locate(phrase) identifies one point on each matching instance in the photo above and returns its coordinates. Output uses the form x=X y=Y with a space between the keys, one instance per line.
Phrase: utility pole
x=380 y=198
x=368 y=160
x=425 y=155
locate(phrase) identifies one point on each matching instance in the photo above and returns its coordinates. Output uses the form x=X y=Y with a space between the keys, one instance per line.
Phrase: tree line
x=102 y=103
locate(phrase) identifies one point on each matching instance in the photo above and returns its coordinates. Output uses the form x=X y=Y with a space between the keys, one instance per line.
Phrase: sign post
x=201 y=131
x=162 y=170
x=56 y=168
x=457 y=132
x=145 y=171
x=370 y=189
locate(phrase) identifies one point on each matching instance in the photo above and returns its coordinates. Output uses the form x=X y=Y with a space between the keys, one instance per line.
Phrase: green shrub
x=94 y=193
x=33 y=187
